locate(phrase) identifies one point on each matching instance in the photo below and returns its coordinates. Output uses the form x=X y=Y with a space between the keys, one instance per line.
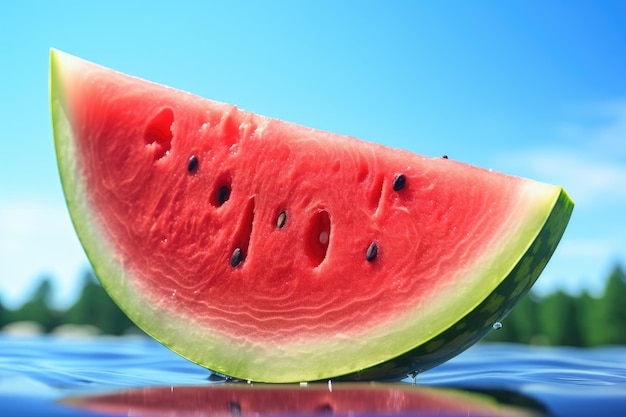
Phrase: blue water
x=54 y=376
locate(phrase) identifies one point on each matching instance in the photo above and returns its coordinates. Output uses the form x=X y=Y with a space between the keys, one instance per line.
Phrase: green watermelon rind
x=479 y=322
x=428 y=342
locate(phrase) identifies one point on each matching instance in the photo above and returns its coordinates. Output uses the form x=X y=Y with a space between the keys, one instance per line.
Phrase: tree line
x=92 y=308
x=562 y=319
x=556 y=319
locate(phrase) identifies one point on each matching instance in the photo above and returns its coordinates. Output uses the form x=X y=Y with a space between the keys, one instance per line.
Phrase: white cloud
x=586 y=178
x=588 y=158
x=37 y=239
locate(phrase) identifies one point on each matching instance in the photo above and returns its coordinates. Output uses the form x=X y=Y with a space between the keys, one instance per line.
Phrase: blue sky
x=528 y=88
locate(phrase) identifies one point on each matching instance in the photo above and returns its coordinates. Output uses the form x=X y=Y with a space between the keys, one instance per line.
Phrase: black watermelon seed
x=223 y=194
x=236 y=257
x=192 y=165
x=398 y=182
x=281 y=220
x=445 y=156
x=372 y=252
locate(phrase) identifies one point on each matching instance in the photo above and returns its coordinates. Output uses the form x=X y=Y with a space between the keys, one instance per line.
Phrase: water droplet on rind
x=497 y=325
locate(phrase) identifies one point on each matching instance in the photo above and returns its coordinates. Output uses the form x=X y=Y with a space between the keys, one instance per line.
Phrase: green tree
x=38 y=308
x=612 y=309
x=525 y=319
x=95 y=307
x=4 y=315
x=589 y=317
x=559 y=318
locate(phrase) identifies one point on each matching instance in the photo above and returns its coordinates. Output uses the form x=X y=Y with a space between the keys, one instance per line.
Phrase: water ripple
x=567 y=381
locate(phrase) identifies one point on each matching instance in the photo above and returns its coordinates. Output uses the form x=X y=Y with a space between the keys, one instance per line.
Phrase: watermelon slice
x=269 y=251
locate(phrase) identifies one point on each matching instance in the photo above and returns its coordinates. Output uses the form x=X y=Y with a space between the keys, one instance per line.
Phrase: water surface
x=62 y=376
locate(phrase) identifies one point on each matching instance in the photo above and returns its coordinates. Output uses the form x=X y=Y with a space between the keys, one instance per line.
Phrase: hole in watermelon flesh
x=376 y=192
x=158 y=133
x=363 y=172
x=222 y=191
x=242 y=236
x=317 y=237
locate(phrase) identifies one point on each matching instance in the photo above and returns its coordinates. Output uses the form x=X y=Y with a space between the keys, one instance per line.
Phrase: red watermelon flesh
x=271 y=251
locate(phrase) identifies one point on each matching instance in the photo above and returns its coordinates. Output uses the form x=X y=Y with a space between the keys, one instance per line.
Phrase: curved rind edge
x=96 y=249
x=170 y=330
x=479 y=322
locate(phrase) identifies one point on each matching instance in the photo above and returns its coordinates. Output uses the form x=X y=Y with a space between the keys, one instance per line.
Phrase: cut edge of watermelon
x=294 y=363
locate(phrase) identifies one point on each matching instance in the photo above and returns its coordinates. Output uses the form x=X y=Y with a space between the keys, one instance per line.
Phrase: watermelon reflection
x=352 y=399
